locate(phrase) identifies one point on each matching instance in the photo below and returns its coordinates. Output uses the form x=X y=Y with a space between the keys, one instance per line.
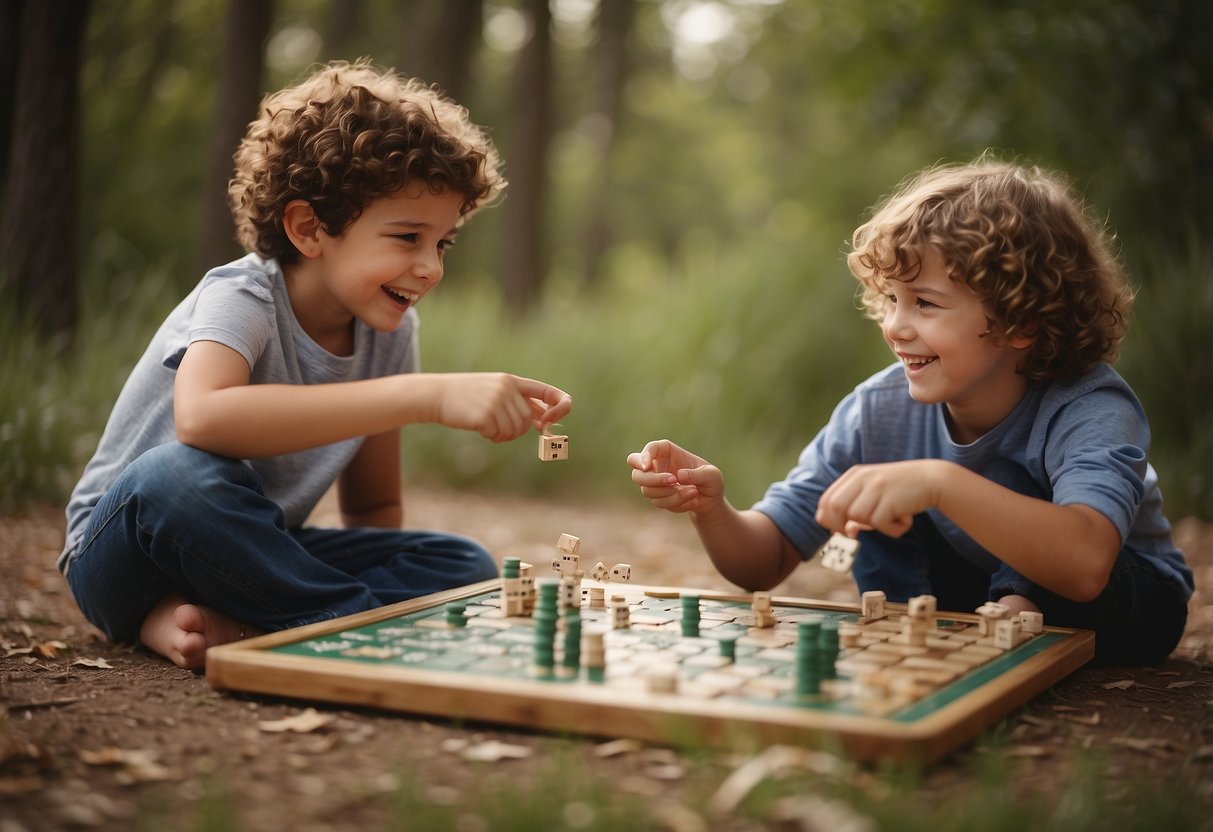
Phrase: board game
x=689 y=667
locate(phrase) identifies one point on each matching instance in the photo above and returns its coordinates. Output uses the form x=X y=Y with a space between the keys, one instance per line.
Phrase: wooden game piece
x=690 y=615
x=848 y=635
x=571 y=660
x=621 y=612
x=838 y=553
x=621 y=572
x=570 y=598
x=922 y=608
x=597 y=598
x=593 y=654
x=761 y=611
x=1007 y=632
x=600 y=572
x=553 y=447
x=1032 y=622
x=873 y=603
x=528 y=587
x=512 y=589
x=990 y=612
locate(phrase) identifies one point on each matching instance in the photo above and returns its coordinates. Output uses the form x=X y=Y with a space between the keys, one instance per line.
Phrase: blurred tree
x=439 y=42
x=38 y=245
x=345 y=24
x=246 y=29
x=10 y=24
x=523 y=264
x=611 y=74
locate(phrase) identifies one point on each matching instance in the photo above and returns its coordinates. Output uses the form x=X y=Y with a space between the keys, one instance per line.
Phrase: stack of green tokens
x=728 y=647
x=572 y=638
x=454 y=614
x=808 y=662
x=510 y=567
x=690 y=616
x=546 y=606
x=827 y=650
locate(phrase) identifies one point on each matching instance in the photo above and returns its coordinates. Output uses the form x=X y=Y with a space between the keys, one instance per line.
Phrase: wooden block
x=838 y=553
x=553 y=447
x=872 y=605
x=1032 y=622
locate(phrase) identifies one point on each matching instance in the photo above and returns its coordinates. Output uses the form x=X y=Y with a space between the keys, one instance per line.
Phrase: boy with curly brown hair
x=293 y=368
x=1000 y=458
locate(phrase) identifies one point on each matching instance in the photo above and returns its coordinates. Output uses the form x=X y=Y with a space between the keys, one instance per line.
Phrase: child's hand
x=499 y=406
x=675 y=479
x=883 y=497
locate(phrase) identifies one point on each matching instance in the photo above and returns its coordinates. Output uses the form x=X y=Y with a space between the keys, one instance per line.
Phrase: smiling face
x=938 y=328
x=379 y=266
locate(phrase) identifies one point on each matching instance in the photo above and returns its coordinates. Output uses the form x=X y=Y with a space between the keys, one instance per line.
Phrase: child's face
x=934 y=325
x=391 y=256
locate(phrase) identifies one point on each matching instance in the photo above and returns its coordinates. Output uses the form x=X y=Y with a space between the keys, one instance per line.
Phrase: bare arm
x=218 y=410
x=1069 y=549
x=746 y=547
x=368 y=490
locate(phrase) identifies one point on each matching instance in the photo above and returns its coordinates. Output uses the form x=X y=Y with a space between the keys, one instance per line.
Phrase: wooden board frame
x=582 y=707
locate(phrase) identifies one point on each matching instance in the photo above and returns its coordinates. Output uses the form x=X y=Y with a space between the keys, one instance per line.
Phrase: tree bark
x=523 y=265
x=40 y=226
x=247 y=27
x=440 y=42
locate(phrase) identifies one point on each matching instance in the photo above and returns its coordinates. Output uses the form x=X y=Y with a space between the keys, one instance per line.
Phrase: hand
x=499 y=406
x=884 y=497
x=675 y=479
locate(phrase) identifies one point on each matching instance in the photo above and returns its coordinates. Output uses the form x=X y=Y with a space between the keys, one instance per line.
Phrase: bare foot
x=182 y=632
x=1018 y=604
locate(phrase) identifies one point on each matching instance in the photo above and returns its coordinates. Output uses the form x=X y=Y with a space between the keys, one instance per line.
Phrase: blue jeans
x=1138 y=618
x=183 y=520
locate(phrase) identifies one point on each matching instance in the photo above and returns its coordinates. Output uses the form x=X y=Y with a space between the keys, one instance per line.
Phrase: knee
x=478 y=564
x=176 y=477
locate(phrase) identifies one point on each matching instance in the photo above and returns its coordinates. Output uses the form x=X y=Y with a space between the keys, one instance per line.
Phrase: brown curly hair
x=348 y=134
x=1019 y=238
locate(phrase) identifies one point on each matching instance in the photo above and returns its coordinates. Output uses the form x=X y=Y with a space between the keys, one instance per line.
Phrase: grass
x=737 y=354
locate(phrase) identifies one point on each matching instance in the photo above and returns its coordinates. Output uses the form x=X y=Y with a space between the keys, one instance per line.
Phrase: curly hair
x=1022 y=241
x=344 y=136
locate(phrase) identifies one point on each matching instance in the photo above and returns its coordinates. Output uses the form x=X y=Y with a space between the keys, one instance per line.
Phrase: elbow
x=1090 y=584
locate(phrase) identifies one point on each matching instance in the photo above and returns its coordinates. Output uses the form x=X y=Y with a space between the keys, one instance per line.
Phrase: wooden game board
x=405 y=657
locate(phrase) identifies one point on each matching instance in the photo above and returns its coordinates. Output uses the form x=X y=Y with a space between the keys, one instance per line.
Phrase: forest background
x=684 y=176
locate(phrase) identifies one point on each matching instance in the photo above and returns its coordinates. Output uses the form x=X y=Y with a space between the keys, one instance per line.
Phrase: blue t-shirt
x=243 y=305
x=1079 y=443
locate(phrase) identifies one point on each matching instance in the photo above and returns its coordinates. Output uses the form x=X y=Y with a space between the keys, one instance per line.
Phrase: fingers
x=549 y=404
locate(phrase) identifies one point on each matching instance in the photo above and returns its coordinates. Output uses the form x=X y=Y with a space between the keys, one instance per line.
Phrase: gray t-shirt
x=243 y=305
x=1078 y=443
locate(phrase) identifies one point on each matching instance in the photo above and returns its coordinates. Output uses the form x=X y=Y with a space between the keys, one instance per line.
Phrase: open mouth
x=403 y=299
x=916 y=362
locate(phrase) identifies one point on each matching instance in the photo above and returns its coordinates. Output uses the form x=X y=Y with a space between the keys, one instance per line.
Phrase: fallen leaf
x=49 y=649
x=494 y=751
x=99 y=663
x=614 y=748
x=1030 y=751
x=302 y=723
x=1123 y=684
x=1142 y=744
x=1093 y=719
x=1183 y=684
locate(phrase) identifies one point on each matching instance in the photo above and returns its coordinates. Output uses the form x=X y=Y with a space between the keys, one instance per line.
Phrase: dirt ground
x=102 y=736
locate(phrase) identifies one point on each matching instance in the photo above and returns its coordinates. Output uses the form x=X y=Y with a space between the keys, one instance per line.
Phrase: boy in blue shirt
x=293 y=368
x=1001 y=457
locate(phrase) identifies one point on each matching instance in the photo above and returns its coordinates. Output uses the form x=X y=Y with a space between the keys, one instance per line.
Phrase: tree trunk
x=247 y=27
x=522 y=263
x=38 y=233
x=440 y=42
x=345 y=21
x=612 y=66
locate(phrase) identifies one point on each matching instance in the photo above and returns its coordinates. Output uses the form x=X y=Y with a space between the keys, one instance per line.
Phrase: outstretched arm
x=1068 y=549
x=218 y=410
x=746 y=547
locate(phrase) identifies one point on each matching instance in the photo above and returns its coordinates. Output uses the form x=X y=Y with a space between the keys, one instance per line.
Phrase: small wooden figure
x=761 y=610
x=922 y=607
x=838 y=553
x=621 y=613
x=599 y=573
x=1006 y=633
x=567 y=562
x=990 y=612
x=1032 y=622
x=621 y=572
x=873 y=605
x=553 y=447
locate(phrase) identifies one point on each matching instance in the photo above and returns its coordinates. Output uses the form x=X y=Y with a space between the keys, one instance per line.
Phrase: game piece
x=567 y=560
x=690 y=616
x=599 y=572
x=528 y=587
x=593 y=652
x=1007 y=632
x=597 y=598
x=990 y=612
x=511 y=587
x=662 y=679
x=569 y=596
x=873 y=603
x=621 y=613
x=854 y=686
x=838 y=553
x=553 y=447
x=454 y=614
x=1031 y=621
x=621 y=572
x=760 y=607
